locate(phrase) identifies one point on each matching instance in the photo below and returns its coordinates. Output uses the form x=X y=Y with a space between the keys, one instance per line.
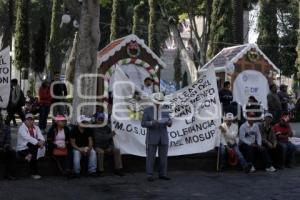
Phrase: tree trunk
x=191 y=68
x=114 y=20
x=70 y=69
x=9 y=25
x=55 y=39
x=136 y=16
x=86 y=58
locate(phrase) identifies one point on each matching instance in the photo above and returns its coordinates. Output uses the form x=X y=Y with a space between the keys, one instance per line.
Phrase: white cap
x=269 y=115
x=29 y=115
x=157 y=97
x=83 y=118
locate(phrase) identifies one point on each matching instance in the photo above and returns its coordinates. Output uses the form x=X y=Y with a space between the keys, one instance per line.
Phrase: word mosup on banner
x=195 y=112
x=4 y=77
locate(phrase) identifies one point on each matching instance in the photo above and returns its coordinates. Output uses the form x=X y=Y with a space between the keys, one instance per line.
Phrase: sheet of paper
x=41 y=153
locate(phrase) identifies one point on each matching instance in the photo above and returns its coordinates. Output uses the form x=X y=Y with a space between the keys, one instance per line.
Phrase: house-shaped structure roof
x=229 y=56
x=117 y=45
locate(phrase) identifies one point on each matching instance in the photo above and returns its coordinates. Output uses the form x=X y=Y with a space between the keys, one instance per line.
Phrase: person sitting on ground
x=103 y=136
x=58 y=140
x=7 y=154
x=283 y=132
x=251 y=144
x=82 y=143
x=269 y=140
x=29 y=140
x=229 y=142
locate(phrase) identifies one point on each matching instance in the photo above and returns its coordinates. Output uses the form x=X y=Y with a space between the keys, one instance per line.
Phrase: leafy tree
x=221 y=27
x=39 y=48
x=7 y=19
x=268 y=39
x=238 y=8
x=288 y=25
x=22 y=56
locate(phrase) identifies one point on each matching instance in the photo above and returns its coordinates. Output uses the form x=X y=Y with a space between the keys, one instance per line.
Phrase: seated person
x=29 y=140
x=229 y=141
x=251 y=143
x=268 y=136
x=283 y=132
x=104 y=144
x=58 y=140
x=82 y=143
x=7 y=154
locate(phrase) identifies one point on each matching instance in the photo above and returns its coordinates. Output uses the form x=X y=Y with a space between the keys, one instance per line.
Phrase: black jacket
x=51 y=138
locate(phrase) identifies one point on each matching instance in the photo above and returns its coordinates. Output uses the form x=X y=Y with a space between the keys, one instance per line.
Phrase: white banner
x=195 y=125
x=4 y=77
x=251 y=83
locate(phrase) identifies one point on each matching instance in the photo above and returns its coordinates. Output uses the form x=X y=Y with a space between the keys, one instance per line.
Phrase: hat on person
x=229 y=117
x=158 y=97
x=268 y=115
x=60 y=118
x=83 y=118
x=29 y=115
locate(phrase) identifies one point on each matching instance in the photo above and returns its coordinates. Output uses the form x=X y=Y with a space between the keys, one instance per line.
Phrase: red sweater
x=45 y=98
x=284 y=131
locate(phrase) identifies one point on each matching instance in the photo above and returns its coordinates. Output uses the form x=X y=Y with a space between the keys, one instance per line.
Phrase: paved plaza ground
x=282 y=185
x=204 y=185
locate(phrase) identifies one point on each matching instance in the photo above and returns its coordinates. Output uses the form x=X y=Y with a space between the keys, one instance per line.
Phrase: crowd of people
x=72 y=148
x=256 y=135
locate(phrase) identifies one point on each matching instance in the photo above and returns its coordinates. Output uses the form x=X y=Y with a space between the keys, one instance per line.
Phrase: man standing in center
x=156 y=119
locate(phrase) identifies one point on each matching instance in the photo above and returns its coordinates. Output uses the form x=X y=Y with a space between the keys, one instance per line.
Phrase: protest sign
x=195 y=112
x=4 y=77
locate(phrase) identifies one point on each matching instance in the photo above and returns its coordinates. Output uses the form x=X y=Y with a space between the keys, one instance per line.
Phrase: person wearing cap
x=148 y=86
x=229 y=142
x=250 y=143
x=29 y=140
x=7 y=154
x=284 y=132
x=103 y=144
x=156 y=119
x=269 y=140
x=58 y=141
x=82 y=143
